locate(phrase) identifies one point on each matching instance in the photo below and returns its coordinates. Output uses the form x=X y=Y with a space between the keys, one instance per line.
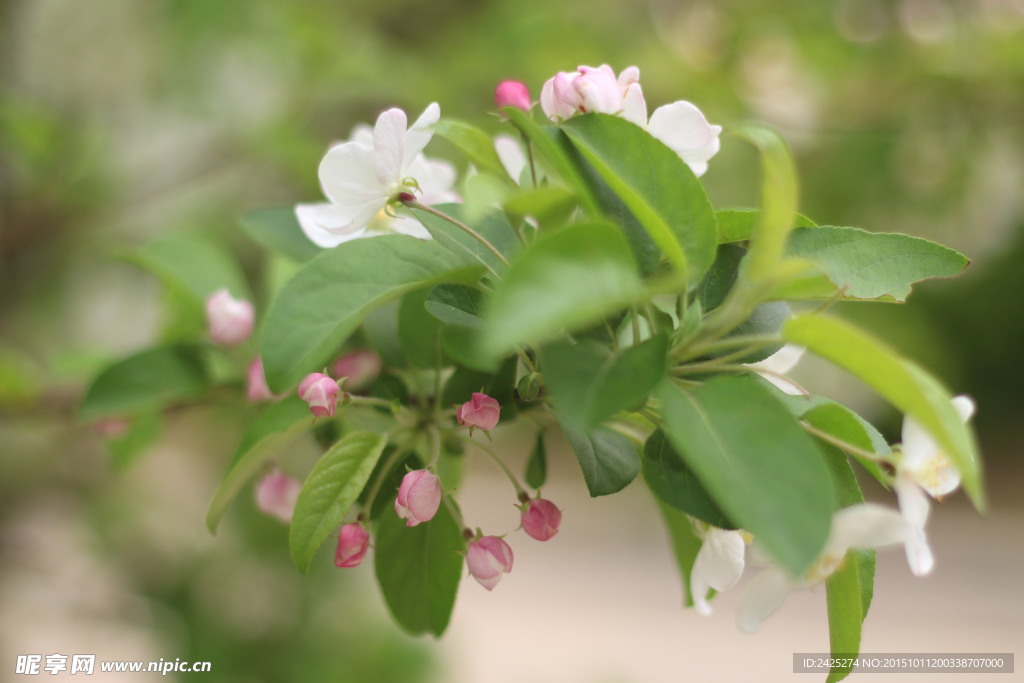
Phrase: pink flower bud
x=353 y=540
x=479 y=411
x=512 y=94
x=359 y=368
x=276 y=495
x=541 y=519
x=230 y=320
x=488 y=558
x=419 y=496
x=256 y=388
x=320 y=392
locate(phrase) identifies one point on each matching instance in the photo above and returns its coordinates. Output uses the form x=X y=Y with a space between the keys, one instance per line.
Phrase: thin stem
x=413 y=204
x=455 y=511
x=529 y=155
x=635 y=322
x=392 y=460
x=839 y=443
x=504 y=468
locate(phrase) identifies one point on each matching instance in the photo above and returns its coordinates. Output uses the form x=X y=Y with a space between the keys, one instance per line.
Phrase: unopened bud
x=541 y=519
x=353 y=540
x=419 y=497
x=479 y=411
x=321 y=393
x=276 y=495
x=358 y=368
x=487 y=559
x=230 y=320
x=512 y=94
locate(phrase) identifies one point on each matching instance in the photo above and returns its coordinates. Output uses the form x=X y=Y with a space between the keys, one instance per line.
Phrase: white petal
x=919 y=554
x=699 y=591
x=918 y=446
x=914 y=506
x=436 y=179
x=362 y=133
x=512 y=156
x=306 y=214
x=720 y=558
x=628 y=77
x=389 y=147
x=421 y=132
x=634 y=106
x=344 y=220
x=347 y=175
x=681 y=126
x=964 y=407
x=762 y=596
x=866 y=525
x=782 y=361
x=404 y=225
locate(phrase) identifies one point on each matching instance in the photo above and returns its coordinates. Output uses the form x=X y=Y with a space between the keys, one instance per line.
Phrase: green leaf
x=419 y=332
x=589 y=382
x=848 y=427
x=537 y=465
x=493 y=227
x=756 y=462
x=551 y=205
x=551 y=146
x=278 y=230
x=455 y=305
x=142 y=432
x=472 y=142
x=329 y=491
x=146 y=382
x=332 y=294
x=737 y=225
x=778 y=203
x=278 y=426
x=656 y=185
x=381 y=330
x=685 y=544
x=867 y=265
x=194 y=263
x=842 y=591
x=564 y=281
x=608 y=459
x=418 y=569
x=674 y=483
x=904 y=384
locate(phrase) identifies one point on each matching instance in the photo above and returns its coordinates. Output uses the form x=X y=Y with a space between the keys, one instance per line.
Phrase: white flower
x=719 y=563
x=360 y=176
x=864 y=526
x=924 y=469
x=511 y=154
x=680 y=126
x=774 y=368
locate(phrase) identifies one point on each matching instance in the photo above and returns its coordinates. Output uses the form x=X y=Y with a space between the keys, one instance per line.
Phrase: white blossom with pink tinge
x=230 y=320
x=276 y=494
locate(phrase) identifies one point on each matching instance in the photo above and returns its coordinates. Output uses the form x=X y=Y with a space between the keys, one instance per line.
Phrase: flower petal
x=347 y=221
x=421 y=132
x=634 y=106
x=389 y=147
x=681 y=126
x=347 y=175
x=719 y=565
x=914 y=506
x=866 y=525
x=436 y=179
x=762 y=596
x=511 y=154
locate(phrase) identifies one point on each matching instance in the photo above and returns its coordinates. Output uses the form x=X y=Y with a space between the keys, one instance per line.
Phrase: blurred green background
x=121 y=120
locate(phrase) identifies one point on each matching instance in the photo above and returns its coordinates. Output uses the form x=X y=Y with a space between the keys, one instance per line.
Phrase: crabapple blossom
x=362 y=175
x=774 y=368
x=541 y=518
x=479 y=411
x=353 y=540
x=358 y=368
x=719 y=563
x=861 y=526
x=419 y=497
x=488 y=558
x=924 y=469
x=320 y=392
x=276 y=494
x=230 y=320
x=512 y=94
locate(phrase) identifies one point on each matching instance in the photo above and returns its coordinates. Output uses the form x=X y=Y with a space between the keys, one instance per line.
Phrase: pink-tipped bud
x=230 y=320
x=487 y=559
x=358 y=368
x=512 y=94
x=353 y=540
x=256 y=388
x=321 y=393
x=541 y=519
x=419 y=497
x=276 y=495
x=479 y=411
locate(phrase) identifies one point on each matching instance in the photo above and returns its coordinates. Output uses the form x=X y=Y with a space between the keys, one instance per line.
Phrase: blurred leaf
x=656 y=185
x=146 y=382
x=493 y=227
x=21 y=381
x=549 y=206
x=142 y=432
x=332 y=294
x=756 y=462
x=194 y=262
x=608 y=459
x=589 y=382
x=278 y=230
x=329 y=491
x=674 y=483
x=565 y=280
x=847 y=426
x=277 y=427
x=867 y=265
x=778 y=202
x=381 y=329
x=419 y=332
x=455 y=305
x=474 y=143
x=899 y=381
x=537 y=465
x=737 y=225
x=685 y=544
x=418 y=569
